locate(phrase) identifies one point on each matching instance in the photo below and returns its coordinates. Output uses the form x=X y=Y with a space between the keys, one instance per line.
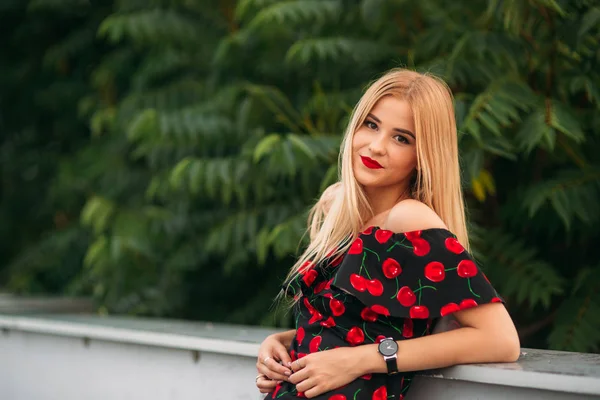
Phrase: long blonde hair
x=336 y=219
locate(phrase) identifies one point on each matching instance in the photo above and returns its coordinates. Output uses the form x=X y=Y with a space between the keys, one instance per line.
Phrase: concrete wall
x=82 y=357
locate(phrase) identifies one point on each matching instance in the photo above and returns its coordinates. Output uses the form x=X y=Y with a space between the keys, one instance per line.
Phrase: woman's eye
x=371 y=125
x=401 y=139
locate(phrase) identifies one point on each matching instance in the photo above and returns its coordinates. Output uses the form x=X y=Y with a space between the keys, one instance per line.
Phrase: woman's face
x=383 y=149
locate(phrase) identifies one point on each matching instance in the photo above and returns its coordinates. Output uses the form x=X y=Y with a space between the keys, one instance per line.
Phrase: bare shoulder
x=412 y=215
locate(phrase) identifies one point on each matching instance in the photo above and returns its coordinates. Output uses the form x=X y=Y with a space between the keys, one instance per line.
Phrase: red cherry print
x=356 y=247
x=406 y=296
x=383 y=235
x=317 y=316
x=466 y=269
x=328 y=323
x=300 y=335
x=337 y=307
x=368 y=231
x=358 y=282
x=337 y=397
x=449 y=309
x=276 y=390
x=391 y=268
x=309 y=277
x=368 y=315
x=420 y=247
x=328 y=284
x=293 y=355
x=366 y=377
x=379 y=338
x=328 y=295
x=380 y=310
x=380 y=394
x=306 y=266
x=412 y=235
x=419 y=312
x=355 y=336
x=301 y=395
x=320 y=286
x=314 y=344
x=407 y=328
x=453 y=245
x=496 y=300
x=337 y=261
x=309 y=306
x=435 y=272
x=375 y=287
x=300 y=355
x=467 y=303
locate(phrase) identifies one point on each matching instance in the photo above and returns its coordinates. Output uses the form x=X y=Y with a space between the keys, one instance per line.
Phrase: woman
x=388 y=258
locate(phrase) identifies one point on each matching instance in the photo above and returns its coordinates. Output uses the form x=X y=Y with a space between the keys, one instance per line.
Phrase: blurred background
x=160 y=156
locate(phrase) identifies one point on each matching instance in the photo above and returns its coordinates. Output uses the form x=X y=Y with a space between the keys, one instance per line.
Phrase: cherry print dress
x=386 y=285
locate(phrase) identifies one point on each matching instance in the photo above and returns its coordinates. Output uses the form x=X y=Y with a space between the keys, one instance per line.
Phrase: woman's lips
x=370 y=163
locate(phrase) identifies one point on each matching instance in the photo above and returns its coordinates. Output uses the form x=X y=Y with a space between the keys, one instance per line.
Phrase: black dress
x=386 y=285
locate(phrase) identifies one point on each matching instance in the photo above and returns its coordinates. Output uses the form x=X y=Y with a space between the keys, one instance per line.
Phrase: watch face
x=388 y=347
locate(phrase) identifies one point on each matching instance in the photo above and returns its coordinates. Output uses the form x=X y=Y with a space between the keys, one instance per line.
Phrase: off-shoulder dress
x=387 y=284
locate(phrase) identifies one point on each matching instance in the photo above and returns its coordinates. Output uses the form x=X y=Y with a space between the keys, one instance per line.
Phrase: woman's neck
x=383 y=199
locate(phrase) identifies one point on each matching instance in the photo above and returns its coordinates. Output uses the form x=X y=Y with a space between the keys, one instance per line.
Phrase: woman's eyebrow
x=400 y=130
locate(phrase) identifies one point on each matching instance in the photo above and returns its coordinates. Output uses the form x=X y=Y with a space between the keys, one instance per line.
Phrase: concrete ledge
x=539 y=373
x=171 y=334
x=11 y=304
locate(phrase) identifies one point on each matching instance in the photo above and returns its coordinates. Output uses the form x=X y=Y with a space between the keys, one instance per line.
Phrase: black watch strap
x=392 y=367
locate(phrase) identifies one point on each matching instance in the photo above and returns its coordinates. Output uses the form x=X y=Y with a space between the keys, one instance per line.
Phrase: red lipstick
x=370 y=163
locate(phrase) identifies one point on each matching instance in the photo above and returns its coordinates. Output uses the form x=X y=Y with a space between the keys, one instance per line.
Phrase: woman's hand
x=272 y=351
x=320 y=372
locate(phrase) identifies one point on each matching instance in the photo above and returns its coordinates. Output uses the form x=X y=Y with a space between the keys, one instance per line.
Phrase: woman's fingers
x=298 y=365
x=306 y=385
x=265 y=385
x=277 y=368
x=264 y=369
x=283 y=356
x=299 y=376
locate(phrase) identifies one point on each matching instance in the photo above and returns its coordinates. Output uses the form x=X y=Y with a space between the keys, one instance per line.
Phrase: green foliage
x=213 y=125
x=577 y=325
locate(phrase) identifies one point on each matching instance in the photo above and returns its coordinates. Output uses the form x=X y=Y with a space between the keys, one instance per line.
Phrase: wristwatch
x=388 y=348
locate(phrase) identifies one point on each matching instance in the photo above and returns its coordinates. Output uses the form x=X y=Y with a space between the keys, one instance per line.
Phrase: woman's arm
x=488 y=335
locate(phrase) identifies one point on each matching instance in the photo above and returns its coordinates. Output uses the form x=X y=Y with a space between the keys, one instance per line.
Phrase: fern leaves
x=518 y=271
x=577 y=326
x=290 y=13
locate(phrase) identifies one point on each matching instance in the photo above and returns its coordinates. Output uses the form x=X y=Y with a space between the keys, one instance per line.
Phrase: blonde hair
x=343 y=209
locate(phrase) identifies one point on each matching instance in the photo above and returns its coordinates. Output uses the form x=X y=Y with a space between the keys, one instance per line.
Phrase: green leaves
x=150 y=27
x=541 y=127
x=293 y=12
x=519 y=273
x=589 y=21
x=97 y=213
x=577 y=326
x=497 y=108
x=572 y=194
x=335 y=49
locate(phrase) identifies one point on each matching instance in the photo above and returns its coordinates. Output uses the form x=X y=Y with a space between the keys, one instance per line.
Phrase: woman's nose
x=377 y=145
